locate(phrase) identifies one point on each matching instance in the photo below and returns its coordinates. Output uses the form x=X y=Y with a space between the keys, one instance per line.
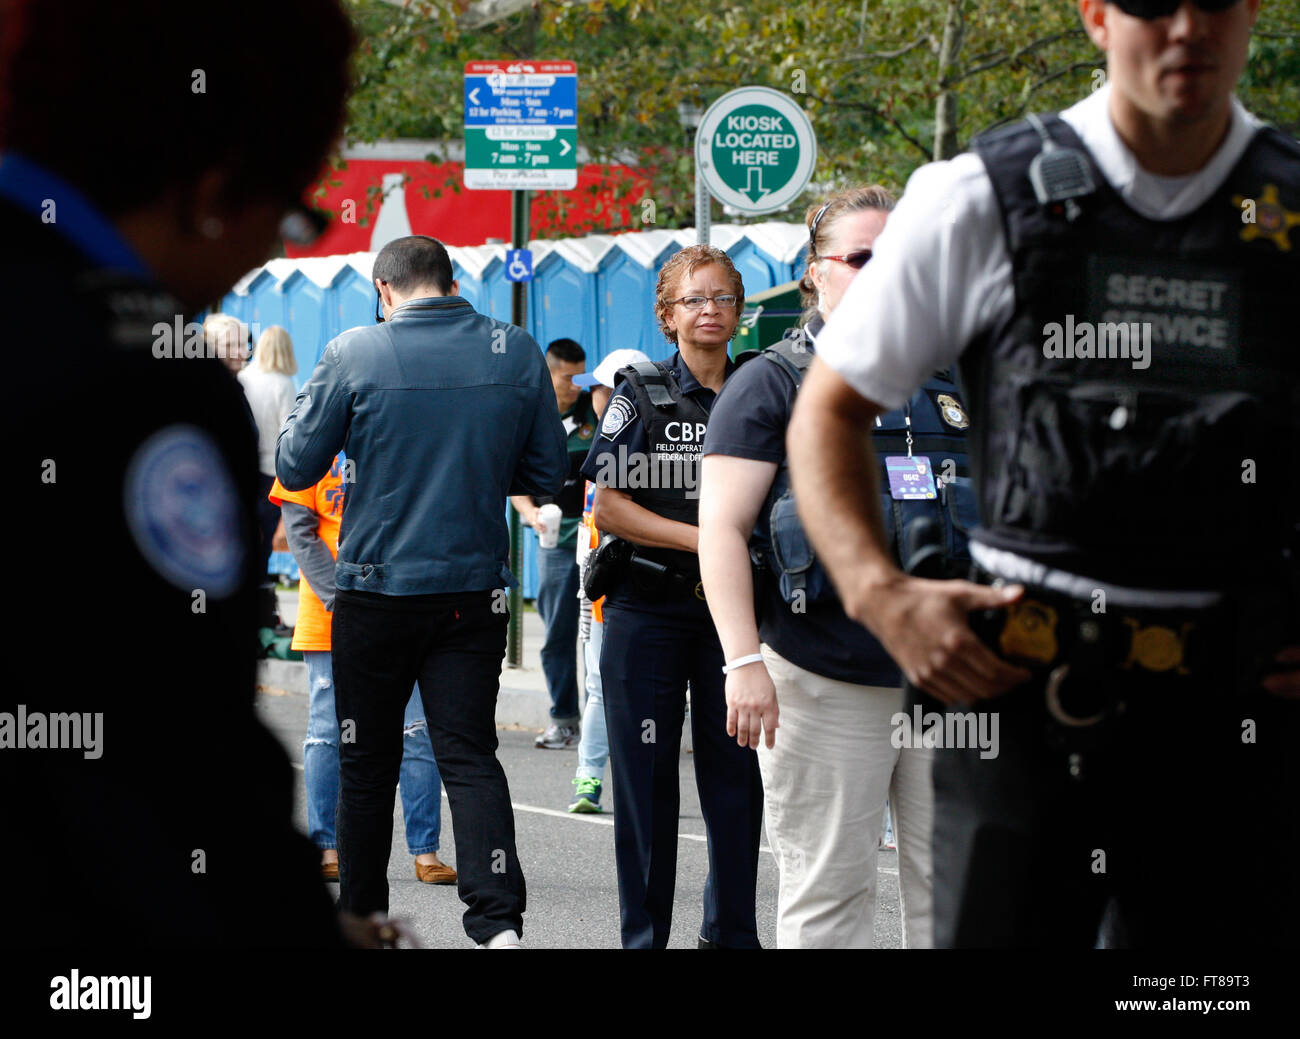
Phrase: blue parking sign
x=519 y=265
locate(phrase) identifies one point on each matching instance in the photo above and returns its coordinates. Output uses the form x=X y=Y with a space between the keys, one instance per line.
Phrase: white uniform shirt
x=941 y=273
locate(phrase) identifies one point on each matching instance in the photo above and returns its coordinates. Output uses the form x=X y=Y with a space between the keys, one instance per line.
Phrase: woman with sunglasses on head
x=796 y=656
x=658 y=635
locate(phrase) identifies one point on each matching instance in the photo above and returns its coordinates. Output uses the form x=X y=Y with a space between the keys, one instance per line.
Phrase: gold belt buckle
x=1157 y=648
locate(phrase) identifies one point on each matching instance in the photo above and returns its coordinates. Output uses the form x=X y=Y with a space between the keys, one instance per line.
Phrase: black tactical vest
x=937 y=420
x=668 y=483
x=1174 y=464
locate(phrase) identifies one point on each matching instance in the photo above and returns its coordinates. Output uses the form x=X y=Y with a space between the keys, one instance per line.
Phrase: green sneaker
x=586 y=799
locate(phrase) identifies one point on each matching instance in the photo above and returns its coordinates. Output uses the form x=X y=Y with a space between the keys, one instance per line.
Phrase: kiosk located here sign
x=756 y=149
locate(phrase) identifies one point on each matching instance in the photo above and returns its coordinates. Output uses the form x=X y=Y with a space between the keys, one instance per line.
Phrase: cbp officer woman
x=659 y=636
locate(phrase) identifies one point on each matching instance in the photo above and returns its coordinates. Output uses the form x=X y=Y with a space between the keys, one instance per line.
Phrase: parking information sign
x=521 y=125
x=756 y=149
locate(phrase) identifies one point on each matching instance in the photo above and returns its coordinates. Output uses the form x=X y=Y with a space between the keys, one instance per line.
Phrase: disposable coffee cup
x=549 y=536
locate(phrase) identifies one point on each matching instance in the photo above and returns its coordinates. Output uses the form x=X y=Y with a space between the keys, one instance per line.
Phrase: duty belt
x=1074 y=644
x=653 y=578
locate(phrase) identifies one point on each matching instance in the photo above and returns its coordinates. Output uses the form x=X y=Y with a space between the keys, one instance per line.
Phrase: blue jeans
x=593 y=747
x=421 y=785
x=557 y=602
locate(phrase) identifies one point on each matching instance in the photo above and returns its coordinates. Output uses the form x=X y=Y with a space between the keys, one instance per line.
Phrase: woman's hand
x=751 y=705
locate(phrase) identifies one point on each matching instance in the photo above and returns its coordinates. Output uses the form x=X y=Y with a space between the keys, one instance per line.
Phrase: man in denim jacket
x=444 y=413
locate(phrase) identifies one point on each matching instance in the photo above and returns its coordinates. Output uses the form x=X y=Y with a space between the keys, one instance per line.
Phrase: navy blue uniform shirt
x=623 y=427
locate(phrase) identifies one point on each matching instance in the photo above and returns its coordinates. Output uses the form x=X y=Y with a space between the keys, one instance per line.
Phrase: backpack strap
x=659 y=385
x=792 y=355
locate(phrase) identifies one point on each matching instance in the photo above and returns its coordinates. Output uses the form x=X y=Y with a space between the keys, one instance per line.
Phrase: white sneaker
x=502 y=940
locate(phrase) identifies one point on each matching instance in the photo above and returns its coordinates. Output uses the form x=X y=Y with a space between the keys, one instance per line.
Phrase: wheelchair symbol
x=519 y=265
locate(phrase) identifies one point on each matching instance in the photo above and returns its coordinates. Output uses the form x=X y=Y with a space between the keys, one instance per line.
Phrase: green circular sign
x=756 y=149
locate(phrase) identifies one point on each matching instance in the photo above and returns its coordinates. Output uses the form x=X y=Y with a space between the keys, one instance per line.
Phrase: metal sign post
x=703 y=217
x=518 y=317
x=521 y=133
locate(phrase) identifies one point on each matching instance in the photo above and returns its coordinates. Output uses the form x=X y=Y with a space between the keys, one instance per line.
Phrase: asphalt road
x=568 y=860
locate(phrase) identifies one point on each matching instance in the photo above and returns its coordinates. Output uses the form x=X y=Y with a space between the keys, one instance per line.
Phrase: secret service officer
x=1135 y=492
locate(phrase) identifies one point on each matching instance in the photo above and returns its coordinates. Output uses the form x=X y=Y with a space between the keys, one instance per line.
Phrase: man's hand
x=751 y=705
x=528 y=511
x=375 y=932
x=1285 y=683
x=924 y=625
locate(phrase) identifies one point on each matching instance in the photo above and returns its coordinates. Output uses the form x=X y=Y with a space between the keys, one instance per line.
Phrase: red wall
x=437 y=204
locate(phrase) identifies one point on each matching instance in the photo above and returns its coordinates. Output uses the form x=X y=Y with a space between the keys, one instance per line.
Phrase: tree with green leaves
x=888 y=84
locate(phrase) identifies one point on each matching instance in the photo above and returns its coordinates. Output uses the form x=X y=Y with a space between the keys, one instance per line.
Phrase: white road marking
x=601 y=821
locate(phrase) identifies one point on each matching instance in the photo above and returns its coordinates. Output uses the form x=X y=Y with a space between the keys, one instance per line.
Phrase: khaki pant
x=825 y=784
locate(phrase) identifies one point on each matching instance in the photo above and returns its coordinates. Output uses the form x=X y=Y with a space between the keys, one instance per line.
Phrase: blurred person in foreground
x=145 y=803
x=1131 y=618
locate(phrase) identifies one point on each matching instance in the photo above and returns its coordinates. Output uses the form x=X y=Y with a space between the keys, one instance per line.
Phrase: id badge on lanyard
x=911 y=477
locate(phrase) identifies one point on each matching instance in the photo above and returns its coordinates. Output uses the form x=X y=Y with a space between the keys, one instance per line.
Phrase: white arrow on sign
x=473 y=96
x=565 y=147
x=754 y=184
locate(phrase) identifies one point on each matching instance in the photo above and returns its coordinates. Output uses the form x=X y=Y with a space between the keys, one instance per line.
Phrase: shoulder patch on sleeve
x=183 y=511
x=618 y=413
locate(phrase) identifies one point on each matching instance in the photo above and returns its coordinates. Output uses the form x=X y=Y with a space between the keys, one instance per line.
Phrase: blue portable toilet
x=468 y=264
x=496 y=289
x=783 y=245
x=470 y=289
x=562 y=295
x=307 y=320
x=755 y=267
x=625 y=294
x=265 y=302
x=352 y=301
x=236 y=302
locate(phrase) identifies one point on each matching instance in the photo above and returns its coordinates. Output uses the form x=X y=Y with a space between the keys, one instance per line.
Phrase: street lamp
x=689 y=115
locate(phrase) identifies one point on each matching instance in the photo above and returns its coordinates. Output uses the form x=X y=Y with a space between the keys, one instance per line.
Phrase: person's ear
x=455 y=287
x=385 y=293
x=818 y=279
x=1093 y=15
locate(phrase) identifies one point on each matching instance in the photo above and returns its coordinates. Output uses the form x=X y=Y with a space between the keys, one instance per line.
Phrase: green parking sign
x=756 y=149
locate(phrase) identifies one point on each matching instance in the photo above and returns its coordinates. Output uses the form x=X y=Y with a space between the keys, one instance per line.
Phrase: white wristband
x=731 y=665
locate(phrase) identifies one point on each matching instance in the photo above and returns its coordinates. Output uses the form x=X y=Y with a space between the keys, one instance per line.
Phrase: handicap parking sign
x=519 y=265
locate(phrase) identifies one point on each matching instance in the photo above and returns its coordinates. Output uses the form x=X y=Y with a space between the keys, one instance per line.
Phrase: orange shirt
x=593 y=539
x=312 y=632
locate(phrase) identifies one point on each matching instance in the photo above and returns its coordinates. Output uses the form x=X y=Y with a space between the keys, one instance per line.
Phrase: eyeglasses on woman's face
x=725 y=302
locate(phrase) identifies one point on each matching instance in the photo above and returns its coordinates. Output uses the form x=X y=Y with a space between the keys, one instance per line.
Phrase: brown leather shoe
x=330 y=871
x=436 y=872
